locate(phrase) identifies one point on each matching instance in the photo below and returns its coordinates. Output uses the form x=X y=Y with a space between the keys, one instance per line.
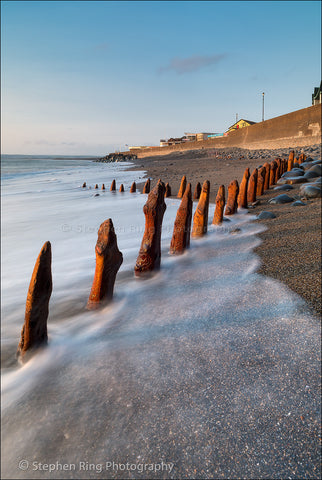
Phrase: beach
x=291 y=246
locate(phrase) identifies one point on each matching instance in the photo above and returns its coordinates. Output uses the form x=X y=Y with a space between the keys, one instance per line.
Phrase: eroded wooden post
x=108 y=261
x=147 y=186
x=121 y=189
x=267 y=175
x=200 y=218
x=34 y=330
x=232 y=204
x=220 y=205
x=133 y=188
x=182 y=187
x=149 y=257
x=261 y=181
x=167 y=190
x=242 y=196
x=182 y=225
x=113 y=186
x=290 y=162
x=197 y=192
x=272 y=173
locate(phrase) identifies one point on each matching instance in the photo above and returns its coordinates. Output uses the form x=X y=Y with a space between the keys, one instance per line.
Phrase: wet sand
x=291 y=247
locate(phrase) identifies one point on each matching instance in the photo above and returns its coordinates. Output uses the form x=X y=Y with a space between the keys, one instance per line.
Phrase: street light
x=263 y=107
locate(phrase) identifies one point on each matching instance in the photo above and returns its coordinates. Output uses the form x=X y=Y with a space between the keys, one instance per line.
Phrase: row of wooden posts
x=109 y=258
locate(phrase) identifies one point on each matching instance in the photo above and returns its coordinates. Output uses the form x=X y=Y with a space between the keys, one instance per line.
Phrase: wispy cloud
x=192 y=64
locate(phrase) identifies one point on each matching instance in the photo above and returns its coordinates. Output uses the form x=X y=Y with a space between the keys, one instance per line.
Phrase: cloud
x=192 y=64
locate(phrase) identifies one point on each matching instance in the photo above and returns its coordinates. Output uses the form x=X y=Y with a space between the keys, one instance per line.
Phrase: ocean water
x=207 y=366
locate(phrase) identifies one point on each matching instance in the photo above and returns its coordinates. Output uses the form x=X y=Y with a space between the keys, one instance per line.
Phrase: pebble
x=266 y=215
x=281 y=199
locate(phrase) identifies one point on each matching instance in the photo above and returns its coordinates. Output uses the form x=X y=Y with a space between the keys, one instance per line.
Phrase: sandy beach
x=291 y=246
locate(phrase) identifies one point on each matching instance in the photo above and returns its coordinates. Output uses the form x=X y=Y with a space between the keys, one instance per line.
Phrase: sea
x=204 y=370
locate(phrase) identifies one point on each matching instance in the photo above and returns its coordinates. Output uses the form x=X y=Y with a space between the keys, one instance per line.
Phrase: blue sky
x=90 y=77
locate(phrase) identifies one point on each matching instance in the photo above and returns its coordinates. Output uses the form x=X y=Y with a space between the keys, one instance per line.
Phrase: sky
x=94 y=77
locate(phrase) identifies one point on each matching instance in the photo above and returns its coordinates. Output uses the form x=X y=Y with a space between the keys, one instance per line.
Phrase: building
x=240 y=124
x=317 y=95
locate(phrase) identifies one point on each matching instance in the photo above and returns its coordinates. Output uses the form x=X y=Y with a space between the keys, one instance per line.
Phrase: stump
x=197 y=192
x=149 y=257
x=220 y=205
x=182 y=187
x=242 y=196
x=200 y=218
x=182 y=225
x=233 y=190
x=108 y=261
x=34 y=330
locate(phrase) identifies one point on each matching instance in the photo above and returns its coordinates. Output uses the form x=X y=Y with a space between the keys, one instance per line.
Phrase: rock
x=318 y=181
x=147 y=186
x=298 y=203
x=264 y=215
x=233 y=190
x=84 y=185
x=108 y=261
x=252 y=186
x=34 y=330
x=311 y=191
x=182 y=225
x=103 y=187
x=182 y=187
x=281 y=199
x=149 y=257
x=310 y=174
x=295 y=172
x=267 y=175
x=242 y=195
x=235 y=231
x=167 y=190
x=197 y=192
x=96 y=195
x=284 y=187
x=113 y=186
x=220 y=205
x=133 y=188
x=121 y=189
x=200 y=218
x=260 y=181
x=290 y=161
x=316 y=169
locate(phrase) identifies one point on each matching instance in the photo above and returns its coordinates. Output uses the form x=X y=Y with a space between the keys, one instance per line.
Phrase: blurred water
x=200 y=365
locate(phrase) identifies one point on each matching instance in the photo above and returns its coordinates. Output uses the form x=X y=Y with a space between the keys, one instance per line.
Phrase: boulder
x=281 y=199
x=34 y=330
x=182 y=225
x=295 y=172
x=264 y=215
x=284 y=187
x=233 y=190
x=108 y=261
x=220 y=205
x=298 y=203
x=242 y=195
x=311 y=191
x=149 y=257
x=200 y=218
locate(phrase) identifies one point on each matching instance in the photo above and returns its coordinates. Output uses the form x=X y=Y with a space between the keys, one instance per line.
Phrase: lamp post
x=263 y=107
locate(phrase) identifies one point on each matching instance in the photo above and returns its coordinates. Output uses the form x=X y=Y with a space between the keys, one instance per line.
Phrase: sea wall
x=295 y=129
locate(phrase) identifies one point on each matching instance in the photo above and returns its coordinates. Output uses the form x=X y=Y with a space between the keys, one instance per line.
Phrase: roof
x=242 y=120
